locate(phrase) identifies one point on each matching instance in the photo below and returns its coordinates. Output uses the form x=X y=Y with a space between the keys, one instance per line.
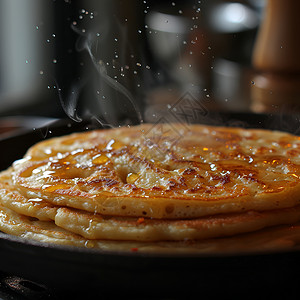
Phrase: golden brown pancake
x=125 y=171
x=155 y=183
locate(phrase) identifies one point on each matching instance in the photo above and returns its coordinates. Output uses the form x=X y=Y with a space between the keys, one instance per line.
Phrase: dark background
x=51 y=53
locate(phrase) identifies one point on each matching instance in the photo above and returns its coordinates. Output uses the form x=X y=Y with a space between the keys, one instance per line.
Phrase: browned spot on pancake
x=169 y=209
x=189 y=171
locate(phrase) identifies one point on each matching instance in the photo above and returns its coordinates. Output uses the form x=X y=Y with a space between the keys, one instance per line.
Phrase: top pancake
x=164 y=170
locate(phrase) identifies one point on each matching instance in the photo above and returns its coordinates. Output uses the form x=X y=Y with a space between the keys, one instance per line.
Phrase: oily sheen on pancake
x=154 y=183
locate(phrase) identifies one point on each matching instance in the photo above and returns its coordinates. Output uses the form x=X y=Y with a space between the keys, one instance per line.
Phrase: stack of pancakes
x=173 y=187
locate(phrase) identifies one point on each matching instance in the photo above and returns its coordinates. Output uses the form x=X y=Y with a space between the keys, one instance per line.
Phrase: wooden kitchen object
x=276 y=59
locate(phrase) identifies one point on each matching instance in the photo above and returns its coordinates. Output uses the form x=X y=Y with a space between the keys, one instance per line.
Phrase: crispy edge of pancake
x=24 y=226
x=33 y=207
x=117 y=228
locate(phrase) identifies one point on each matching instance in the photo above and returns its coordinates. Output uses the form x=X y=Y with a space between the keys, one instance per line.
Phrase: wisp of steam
x=69 y=103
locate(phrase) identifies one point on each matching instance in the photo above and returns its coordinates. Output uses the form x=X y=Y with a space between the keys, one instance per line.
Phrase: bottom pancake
x=277 y=238
x=94 y=226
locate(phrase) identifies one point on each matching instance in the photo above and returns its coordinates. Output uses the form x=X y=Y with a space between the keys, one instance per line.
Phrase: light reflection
x=235 y=13
x=233 y=17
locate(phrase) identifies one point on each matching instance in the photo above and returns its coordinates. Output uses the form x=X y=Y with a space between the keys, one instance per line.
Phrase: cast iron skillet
x=147 y=274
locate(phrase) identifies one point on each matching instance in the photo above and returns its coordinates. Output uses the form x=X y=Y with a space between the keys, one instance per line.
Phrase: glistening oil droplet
x=52 y=188
x=131 y=178
x=114 y=145
x=100 y=159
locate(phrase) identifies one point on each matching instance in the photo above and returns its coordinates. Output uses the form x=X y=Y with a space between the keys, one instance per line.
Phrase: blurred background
x=123 y=61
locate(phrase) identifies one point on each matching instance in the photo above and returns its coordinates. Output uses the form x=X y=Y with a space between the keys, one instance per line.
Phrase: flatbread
x=171 y=187
x=191 y=172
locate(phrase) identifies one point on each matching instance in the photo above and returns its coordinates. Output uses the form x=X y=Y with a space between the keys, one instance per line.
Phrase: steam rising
x=69 y=106
x=69 y=103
